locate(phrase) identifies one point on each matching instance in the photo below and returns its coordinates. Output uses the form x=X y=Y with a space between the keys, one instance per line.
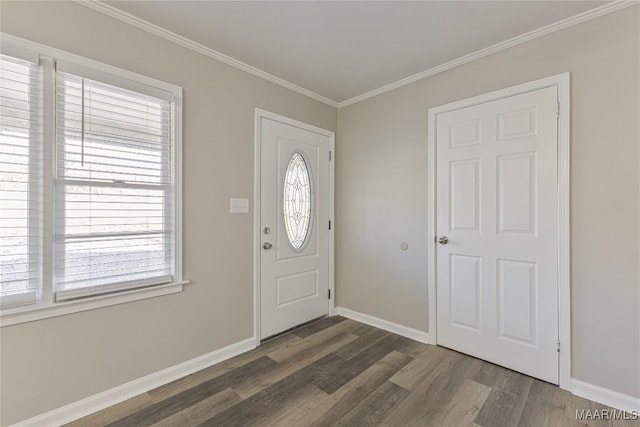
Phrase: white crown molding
x=540 y=32
x=385 y=325
x=97 y=402
x=116 y=13
x=156 y=30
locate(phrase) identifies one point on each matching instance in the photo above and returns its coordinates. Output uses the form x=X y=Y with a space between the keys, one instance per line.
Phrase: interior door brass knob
x=443 y=240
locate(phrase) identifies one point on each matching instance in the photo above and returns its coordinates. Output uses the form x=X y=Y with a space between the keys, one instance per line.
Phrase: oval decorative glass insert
x=297 y=201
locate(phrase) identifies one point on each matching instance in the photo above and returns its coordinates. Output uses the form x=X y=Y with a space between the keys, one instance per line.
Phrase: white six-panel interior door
x=294 y=224
x=497 y=231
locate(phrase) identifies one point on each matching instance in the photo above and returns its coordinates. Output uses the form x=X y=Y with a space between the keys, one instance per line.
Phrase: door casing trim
x=257 y=153
x=562 y=82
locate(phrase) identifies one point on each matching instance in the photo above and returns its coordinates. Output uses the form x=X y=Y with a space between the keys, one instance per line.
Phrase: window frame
x=52 y=60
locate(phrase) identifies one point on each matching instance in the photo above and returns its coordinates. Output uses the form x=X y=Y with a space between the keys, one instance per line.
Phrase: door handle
x=267 y=246
x=443 y=240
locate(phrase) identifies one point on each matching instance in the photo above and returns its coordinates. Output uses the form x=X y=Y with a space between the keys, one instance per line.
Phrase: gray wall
x=53 y=362
x=382 y=194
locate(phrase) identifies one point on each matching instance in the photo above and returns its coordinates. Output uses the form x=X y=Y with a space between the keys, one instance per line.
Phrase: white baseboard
x=97 y=402
x=605 y=396
x=376 y=322
x=596 y=393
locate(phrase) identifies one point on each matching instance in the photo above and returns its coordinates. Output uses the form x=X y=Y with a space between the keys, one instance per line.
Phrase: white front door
x=294 y=226
x=497 y=227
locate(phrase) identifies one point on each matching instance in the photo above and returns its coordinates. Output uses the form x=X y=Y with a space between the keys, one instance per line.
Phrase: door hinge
x=557 y=109
x=329 y=155
x=329 y=224
x=558 y=346
x=329 y=293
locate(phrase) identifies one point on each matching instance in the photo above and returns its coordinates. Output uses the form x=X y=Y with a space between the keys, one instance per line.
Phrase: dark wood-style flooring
x=336 y=371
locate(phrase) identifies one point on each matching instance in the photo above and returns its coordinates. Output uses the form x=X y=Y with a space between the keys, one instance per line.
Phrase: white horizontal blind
x=20 y=181
x=114 y=189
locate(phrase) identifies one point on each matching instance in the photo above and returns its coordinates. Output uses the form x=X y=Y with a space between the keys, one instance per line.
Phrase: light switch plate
x=239 y=206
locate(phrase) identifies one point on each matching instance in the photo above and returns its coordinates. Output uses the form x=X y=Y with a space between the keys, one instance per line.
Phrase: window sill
x=32 y=313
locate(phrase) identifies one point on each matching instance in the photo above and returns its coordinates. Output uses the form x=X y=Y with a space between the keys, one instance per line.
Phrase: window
x=20 y=187
x=114 y=225
x=297 y=201
x=89 y=181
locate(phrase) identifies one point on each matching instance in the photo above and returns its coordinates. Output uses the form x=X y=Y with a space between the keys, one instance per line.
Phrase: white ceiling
x=344 y=49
